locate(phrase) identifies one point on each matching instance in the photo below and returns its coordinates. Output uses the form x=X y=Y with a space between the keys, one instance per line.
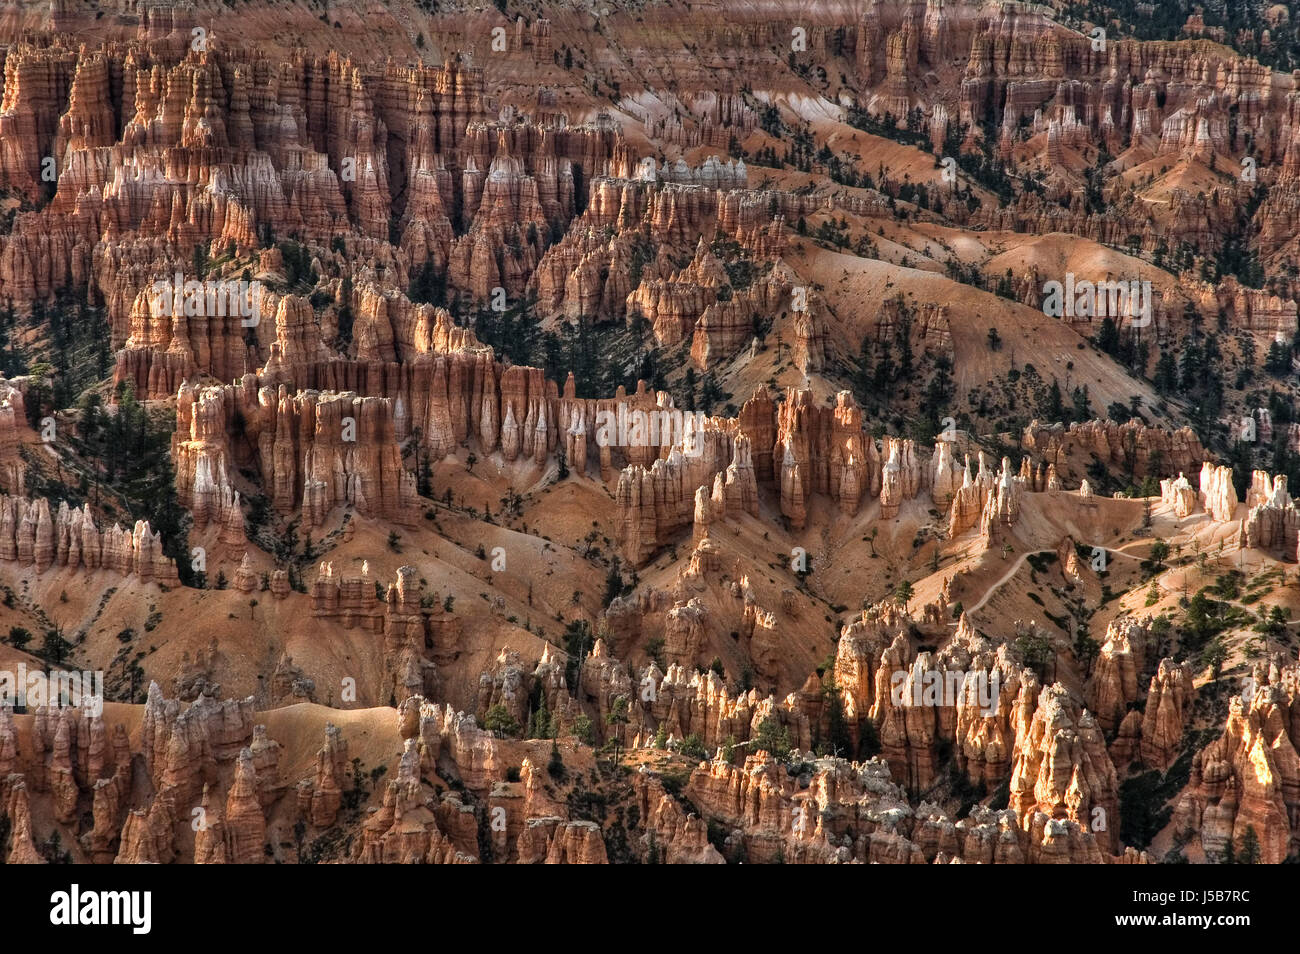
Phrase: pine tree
x=1278 y=360
x=201 y=261
x=542 y=726
x=1108 y=337
x=1055 y=406
x=1166 y=374
x=555 y=766
x=1250 y=853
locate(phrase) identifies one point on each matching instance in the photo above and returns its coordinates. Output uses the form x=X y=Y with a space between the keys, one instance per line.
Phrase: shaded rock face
x=1121 y=660
x=13 y=418
x=1167 y=712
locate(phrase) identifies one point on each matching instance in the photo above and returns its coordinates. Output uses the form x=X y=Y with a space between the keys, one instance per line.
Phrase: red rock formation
x=1113 y=686
x=245 y=824
x=316 y=451
x=1062 y=770
x=1273 y=522
x=683 y=702
x=1146 y=451
x=182 y=748
x=1177 y=493
x=13 y=418
x=883 y=678
x=1248 y=778
x=676 y=836
x=22 y=847
x=320 y=797
x=825 y=451
x=970 y=497
x=30 y=536
x=1002 y=506
x=1168 y=708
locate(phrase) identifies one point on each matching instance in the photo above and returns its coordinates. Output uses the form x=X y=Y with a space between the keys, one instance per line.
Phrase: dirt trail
x=1015 y=567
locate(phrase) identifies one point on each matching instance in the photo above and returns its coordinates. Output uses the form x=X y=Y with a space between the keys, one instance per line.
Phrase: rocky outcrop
x=244 y=821
x=1134 y=447
x=962 y=697
x=673 y=836
x=945 y=476
x=970 y=497
x=655 y=503
x=405 y=830
x=1272 y=523
x=825 y=451
x=30 y=536
x=554 y=841
x=1114 y=685
x=415 y=635
x=1062 y=769
x=22 y=847
x=468 y=751
x=1254 y=309
x=13 y=418
x=852 y=812
x=1249 y=778
x=320 y=796
x=1002 y=506
x=1167 y=712
x=315 y=451
x=802 y=448
x=1177 y=494
x=1218 y=495
x=681 y=702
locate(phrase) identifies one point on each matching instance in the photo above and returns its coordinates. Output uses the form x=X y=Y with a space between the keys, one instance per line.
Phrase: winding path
x=1011 y=571
x=1015 y=568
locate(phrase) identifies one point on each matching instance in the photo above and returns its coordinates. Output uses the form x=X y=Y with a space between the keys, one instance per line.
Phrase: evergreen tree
x=541 y=725
x=555 y=765
x=1054 y=406
x=1278 y=360
x=1250 y=853
x=1108 y=337
x=1082 y=406
x=1166 y=374
x=773 y=737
